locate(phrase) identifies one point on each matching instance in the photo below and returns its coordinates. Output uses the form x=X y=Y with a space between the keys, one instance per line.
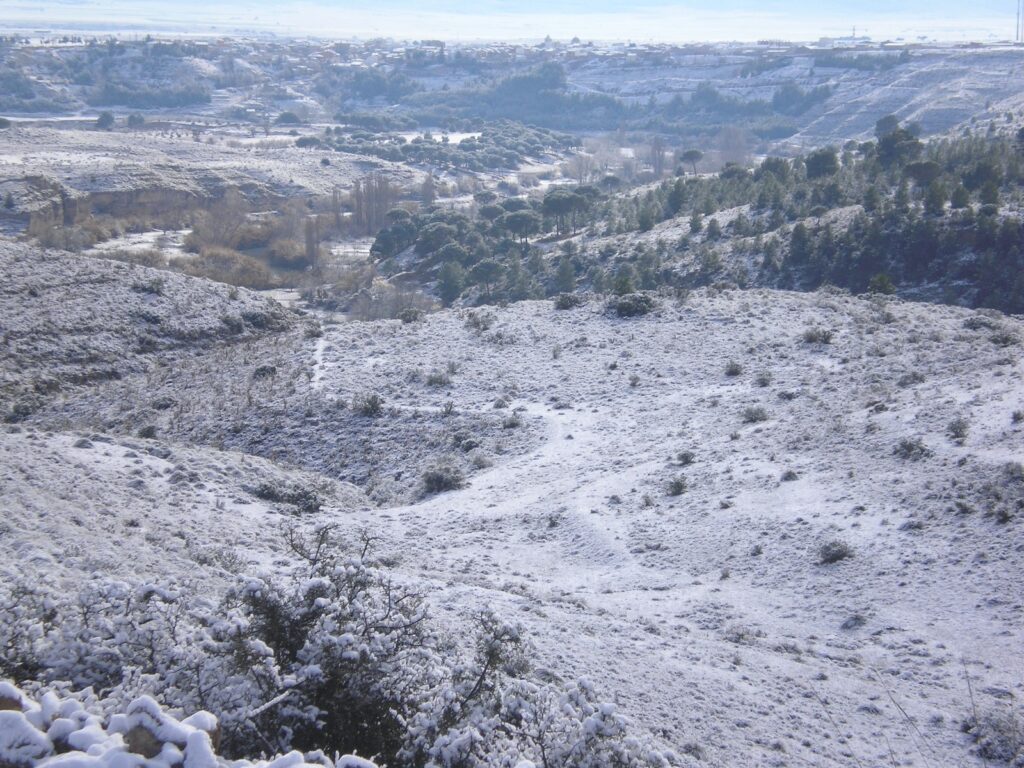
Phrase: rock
x=141 y=741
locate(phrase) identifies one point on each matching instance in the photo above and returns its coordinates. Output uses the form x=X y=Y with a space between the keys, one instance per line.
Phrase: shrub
x=438 y=378
x=632 y=305
x=817 y=336
x=228 y=266
x=677 y=486
x=958 y=429
x=834 y=551
x=999 y=736
x=881 y=283
x=480 y=321
x=911 y=449
x=265 y=372
x=368 y=404
x=789 y=476
x=284 y=253
x=335 y=656
x=512 y=422
x=441 y=478
x=754 y=414
x=910 y=379
x=305 y=499
x=732 y=368
x=979 y=322
x=686 y=458
x=411 y=315
x=1004 y=338
x=568 y=301
x=763 y=379
x=153 y=286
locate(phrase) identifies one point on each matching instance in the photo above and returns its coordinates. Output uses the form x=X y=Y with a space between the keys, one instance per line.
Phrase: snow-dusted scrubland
x=774 y=528
x=69 y=320
x=717 y=527
x=668 y=538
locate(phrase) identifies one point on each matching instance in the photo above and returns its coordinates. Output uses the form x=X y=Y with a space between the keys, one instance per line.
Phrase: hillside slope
x=710 y=612
x=779 y=528
x=68 y=320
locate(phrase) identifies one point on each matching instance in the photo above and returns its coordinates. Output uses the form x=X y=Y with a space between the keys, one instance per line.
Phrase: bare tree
x=372 y=197
x=580 y=167
x=658 y=157
x=221 y=224
x=733 y=145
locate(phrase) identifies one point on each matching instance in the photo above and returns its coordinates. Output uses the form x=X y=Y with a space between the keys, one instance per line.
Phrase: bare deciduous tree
x=372 y=197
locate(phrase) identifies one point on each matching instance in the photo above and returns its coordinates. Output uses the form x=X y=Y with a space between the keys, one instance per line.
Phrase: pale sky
x=712 y=20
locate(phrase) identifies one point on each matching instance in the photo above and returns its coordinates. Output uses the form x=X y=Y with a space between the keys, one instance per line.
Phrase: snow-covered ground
x=708 y=613
x=170 y=243
x=169 y=161
x=655 y=522
x=67 y=320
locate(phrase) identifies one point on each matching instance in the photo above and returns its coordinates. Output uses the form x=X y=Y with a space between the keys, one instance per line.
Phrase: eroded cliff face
x=44 y=201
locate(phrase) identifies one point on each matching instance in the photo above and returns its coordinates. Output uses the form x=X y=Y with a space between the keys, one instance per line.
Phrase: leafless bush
x=227 y=266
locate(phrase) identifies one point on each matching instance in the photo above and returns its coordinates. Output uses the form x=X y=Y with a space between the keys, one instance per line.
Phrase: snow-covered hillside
x=778 y=528
x=69 y=320
x=704 y=603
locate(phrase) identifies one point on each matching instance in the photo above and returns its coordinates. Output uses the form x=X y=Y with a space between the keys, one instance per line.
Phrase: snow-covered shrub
x=569 y=301
x=833 y=551
x=368 y=404
x=999 y=736
x=442 y=477
x=306 y=499
x=911 y=449
x=411 y=315
x=632 y=305
x=818 y=336
x=754 y=414
x=335 y=656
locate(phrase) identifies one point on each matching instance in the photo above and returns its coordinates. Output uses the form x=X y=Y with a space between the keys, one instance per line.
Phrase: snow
x=632 y=593
x=707 y=614
x=20 y=743
x=170 y=161
x=25 y=740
